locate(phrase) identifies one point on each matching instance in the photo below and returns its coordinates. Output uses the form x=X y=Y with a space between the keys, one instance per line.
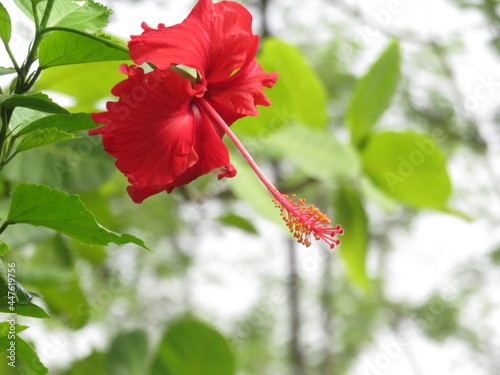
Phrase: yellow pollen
x=306 y=223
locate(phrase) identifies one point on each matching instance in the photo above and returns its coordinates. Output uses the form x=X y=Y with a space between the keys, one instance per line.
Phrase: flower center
x=191 y=74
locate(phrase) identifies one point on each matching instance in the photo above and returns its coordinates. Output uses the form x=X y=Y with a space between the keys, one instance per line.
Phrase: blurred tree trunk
x=295 y=348
x=263 y=11
x=328 y=361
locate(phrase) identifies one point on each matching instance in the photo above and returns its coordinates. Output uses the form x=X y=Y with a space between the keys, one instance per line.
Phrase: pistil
x=304 y=222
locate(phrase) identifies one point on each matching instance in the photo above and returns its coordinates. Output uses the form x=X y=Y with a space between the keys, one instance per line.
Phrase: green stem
x=5 y=157
x=12 y=58
x=35 y=16
x=24 y=86
x=4 y=163
x=104 y=41
x=4 y=121
x=4 y=226
x=32 y=54
x=46 y=14
x=24 y=83
x=28 y=85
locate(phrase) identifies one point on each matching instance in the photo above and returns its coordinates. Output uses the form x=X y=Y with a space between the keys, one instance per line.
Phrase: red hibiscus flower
x=158 y=130
x=166 y=128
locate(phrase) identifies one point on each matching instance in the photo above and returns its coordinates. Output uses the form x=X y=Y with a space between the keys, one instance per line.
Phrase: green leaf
x=53 y=272
x=25 y=6
x=89 y=16
x=65 y=48
x=128 y=354
x=79 y=81
x=76 y=166
x=30 y=309
x=39 y=102
x=26 y=361
x=317 y=153
x=94 y=364
x=237 y=221
x=190 y=347
x=71 y=122
x=5 y=25
x=22 y=117
x=5 y=71
x=350 y=213
x=410 y=167
x=374 y=194
x=23 y=297
x=40 y=205
x=42 y=137
x=5 y=328
x=373 y=94
x=4 y=248
x=298 y=95
x=98 y=203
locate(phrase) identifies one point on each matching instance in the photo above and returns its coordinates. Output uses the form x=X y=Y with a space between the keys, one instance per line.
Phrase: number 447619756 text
x=11 y=284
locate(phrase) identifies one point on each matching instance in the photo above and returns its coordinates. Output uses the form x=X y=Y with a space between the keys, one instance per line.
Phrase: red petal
x=213 y=39
x=212 y=152
x=229 y=171
x=139 y=194
x=238 y=97
x=150 y=130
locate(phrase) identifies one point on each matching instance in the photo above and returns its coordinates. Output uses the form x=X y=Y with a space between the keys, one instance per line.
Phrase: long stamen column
x=305 y=223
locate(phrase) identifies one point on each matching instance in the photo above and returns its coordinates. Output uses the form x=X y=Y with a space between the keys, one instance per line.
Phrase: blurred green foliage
x=329 y=135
